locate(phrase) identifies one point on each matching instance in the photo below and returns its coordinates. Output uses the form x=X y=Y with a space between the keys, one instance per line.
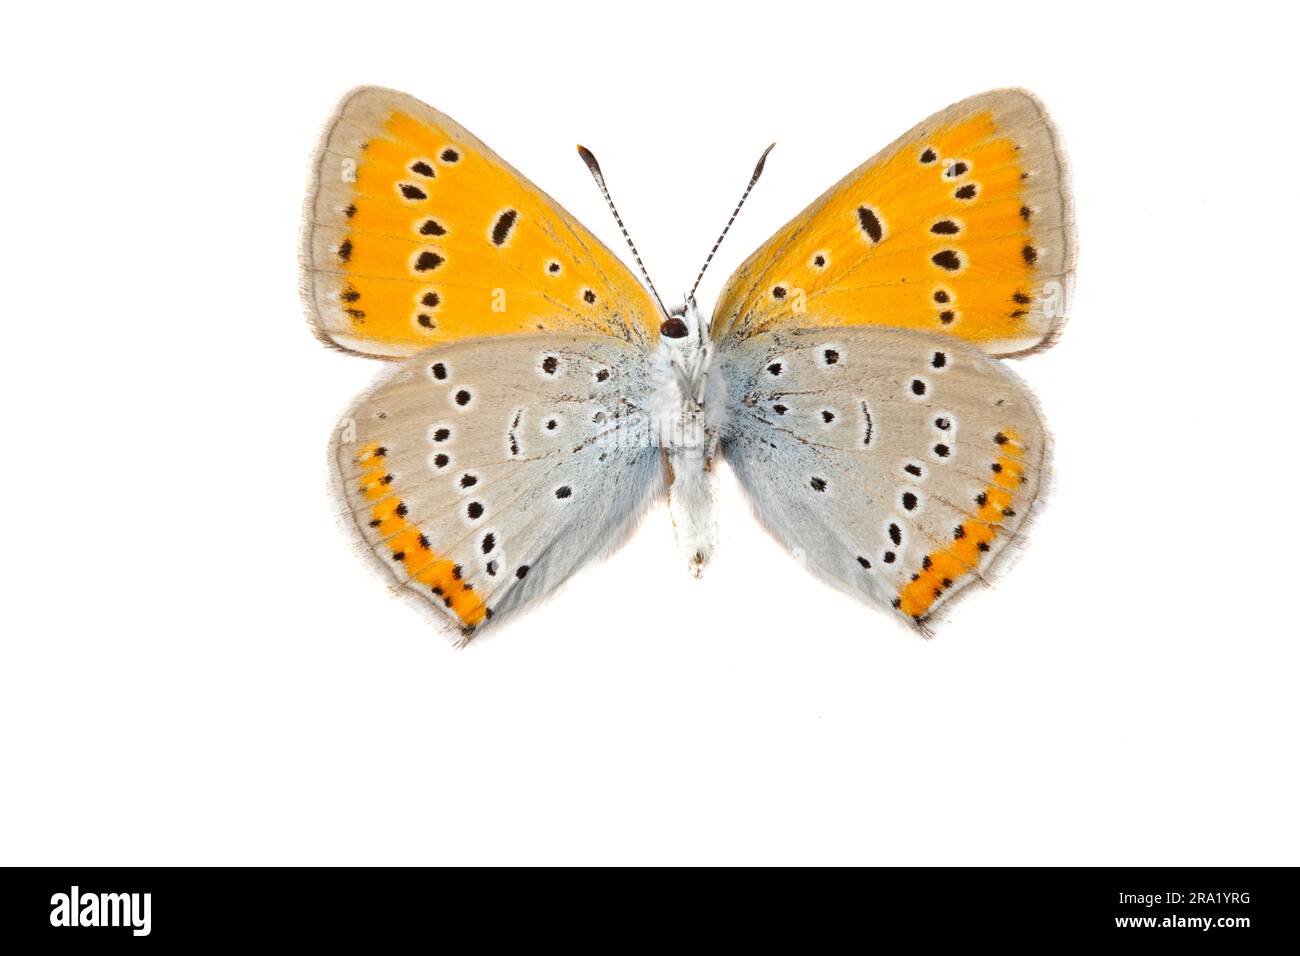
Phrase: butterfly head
x=684 y=323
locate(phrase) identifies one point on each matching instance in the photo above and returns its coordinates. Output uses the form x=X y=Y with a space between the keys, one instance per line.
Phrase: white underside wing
x=899 y=465
x=482 y=474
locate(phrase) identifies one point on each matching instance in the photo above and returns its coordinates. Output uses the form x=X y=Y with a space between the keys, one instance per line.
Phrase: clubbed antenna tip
x=589 y=158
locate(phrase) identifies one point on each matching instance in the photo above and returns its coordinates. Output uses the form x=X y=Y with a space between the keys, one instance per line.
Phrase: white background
x=198 y=669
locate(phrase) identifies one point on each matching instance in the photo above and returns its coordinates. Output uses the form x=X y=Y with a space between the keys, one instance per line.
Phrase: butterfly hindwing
x=963 y=226
x=417 y=234
x=482 y=474
x=901 y=465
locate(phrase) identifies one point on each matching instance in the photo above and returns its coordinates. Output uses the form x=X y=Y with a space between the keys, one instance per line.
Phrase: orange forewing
x=417 y=234
x=963 y=226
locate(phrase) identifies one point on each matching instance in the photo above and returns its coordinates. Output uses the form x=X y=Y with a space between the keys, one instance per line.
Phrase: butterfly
x=545 y=398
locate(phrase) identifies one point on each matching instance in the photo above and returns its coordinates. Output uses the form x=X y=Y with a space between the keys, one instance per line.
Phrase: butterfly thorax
x=686 y=402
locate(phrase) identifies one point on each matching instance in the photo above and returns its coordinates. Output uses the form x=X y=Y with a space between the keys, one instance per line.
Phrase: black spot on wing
x=870 y=223
x=947 y=259
x=502 y=228
x=427 y=261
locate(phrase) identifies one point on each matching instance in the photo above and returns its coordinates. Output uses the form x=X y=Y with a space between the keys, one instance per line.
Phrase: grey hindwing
x=482 y=474
x=899 y=465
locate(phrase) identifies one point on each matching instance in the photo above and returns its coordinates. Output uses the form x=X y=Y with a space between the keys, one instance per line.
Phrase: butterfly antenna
x=590 y=160
x=758 y=171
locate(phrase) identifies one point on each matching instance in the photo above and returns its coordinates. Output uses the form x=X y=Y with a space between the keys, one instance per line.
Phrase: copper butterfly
x=544 y=398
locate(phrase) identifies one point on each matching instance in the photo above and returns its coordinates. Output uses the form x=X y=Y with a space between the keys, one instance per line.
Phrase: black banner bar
x=1238 y=909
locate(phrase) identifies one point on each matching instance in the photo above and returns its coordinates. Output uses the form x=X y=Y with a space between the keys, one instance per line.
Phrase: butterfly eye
x=674 y=328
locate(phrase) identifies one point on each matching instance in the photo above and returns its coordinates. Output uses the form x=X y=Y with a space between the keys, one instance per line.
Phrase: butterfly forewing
x=963 y=226
x=482 y=474
x=901 y=465
x=417 y=234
